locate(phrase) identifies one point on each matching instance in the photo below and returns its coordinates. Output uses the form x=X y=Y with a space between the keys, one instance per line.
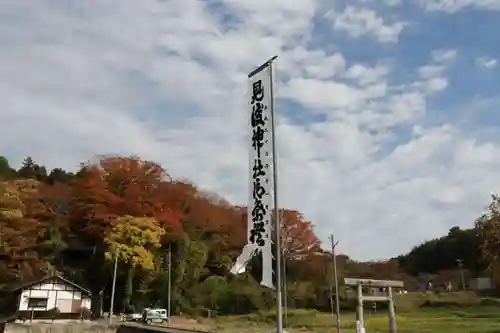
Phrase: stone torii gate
x=367 y=283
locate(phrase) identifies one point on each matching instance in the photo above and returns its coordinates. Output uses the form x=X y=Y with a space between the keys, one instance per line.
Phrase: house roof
x=49 y=277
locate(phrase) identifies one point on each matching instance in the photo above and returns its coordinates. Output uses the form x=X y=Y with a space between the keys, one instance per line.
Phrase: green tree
x=58 y=175
x=488 y=229
x=442 y=253
x=190 y=269
x=6 y=172
x=30 y=169
x=214 y=293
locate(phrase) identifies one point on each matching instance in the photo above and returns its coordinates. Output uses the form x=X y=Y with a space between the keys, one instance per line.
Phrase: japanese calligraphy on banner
x=260 y=205
x=259 y=233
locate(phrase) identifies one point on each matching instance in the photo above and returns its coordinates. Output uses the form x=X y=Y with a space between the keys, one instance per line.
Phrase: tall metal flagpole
x=337 y=304
x=277 y=225
x=285 y=286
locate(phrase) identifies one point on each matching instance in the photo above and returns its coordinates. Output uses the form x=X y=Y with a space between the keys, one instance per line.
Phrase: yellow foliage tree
x=133 y=239
x=11 y=197
x=19 y=231
x=11 y=205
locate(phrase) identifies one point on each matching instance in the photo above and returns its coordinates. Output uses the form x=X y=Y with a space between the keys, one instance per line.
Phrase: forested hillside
x=459 y=244
x=75 y=223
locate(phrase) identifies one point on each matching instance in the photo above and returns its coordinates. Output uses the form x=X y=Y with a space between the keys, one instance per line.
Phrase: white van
x=154 y=316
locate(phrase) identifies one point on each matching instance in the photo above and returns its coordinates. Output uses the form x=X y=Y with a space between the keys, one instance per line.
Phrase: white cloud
x=436 y=84
x=393 y=3
x=367 y=75
x=166 y=80
x=431 y=77
x=452 y=6
x=485 y=62
x=313 y=64
x=444 y=56
x=431 y=84
x=323 y=94
x=359 y=22
x=430 y=71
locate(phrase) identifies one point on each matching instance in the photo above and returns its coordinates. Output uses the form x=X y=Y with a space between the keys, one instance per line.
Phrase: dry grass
x=457 y=313
x=416 y=313
x=423 y=321
x=204 y=325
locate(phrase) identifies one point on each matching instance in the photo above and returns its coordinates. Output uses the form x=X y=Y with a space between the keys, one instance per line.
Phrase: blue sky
x=387 y=126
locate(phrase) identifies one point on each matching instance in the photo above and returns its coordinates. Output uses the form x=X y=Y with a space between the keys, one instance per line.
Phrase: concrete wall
x=141 y=328
x=60 y=328
x=90 y=327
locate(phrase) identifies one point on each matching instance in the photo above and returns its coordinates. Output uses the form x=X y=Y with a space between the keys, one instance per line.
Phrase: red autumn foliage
x=238 y=229
x=297 y=235
x=113 y=186
x=385 y=270
x=209 y=215
x=56 y=201
x=200 y=211
x=314 y=267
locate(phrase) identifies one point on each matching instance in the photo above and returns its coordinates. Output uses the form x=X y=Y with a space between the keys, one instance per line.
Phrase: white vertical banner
x=260 y=205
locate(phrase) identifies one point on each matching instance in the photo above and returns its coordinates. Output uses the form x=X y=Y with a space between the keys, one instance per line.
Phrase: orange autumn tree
x=215 y=218
x=109 y=188
x=300 y=246
x=297 y=235
x=385 y=269
x=211 y=219
x=56 y=200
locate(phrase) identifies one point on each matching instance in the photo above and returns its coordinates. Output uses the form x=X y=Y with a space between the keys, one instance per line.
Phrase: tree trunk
x=129 y=288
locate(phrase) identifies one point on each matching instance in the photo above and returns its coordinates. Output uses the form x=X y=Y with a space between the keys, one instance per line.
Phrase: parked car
x=132 y=317
x=154 y=316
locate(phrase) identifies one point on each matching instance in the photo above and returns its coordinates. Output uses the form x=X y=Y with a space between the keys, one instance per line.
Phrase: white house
x=41 y=297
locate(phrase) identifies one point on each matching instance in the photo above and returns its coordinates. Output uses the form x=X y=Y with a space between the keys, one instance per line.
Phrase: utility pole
x=336 y=281
x=169 y=282
x=460 y=264
x=112 y=303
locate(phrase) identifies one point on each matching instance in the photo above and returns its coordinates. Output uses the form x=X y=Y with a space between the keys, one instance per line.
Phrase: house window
x=37 y=302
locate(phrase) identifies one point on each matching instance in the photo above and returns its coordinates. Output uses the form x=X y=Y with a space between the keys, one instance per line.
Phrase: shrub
x=490 y=302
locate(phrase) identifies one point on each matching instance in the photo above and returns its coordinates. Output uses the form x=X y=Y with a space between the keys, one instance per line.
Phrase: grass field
x=423 y=321
x=457 y=313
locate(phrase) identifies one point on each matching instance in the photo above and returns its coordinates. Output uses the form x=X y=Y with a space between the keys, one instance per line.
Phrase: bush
x=439 y=304
x=490 y=302
x=451 y=300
